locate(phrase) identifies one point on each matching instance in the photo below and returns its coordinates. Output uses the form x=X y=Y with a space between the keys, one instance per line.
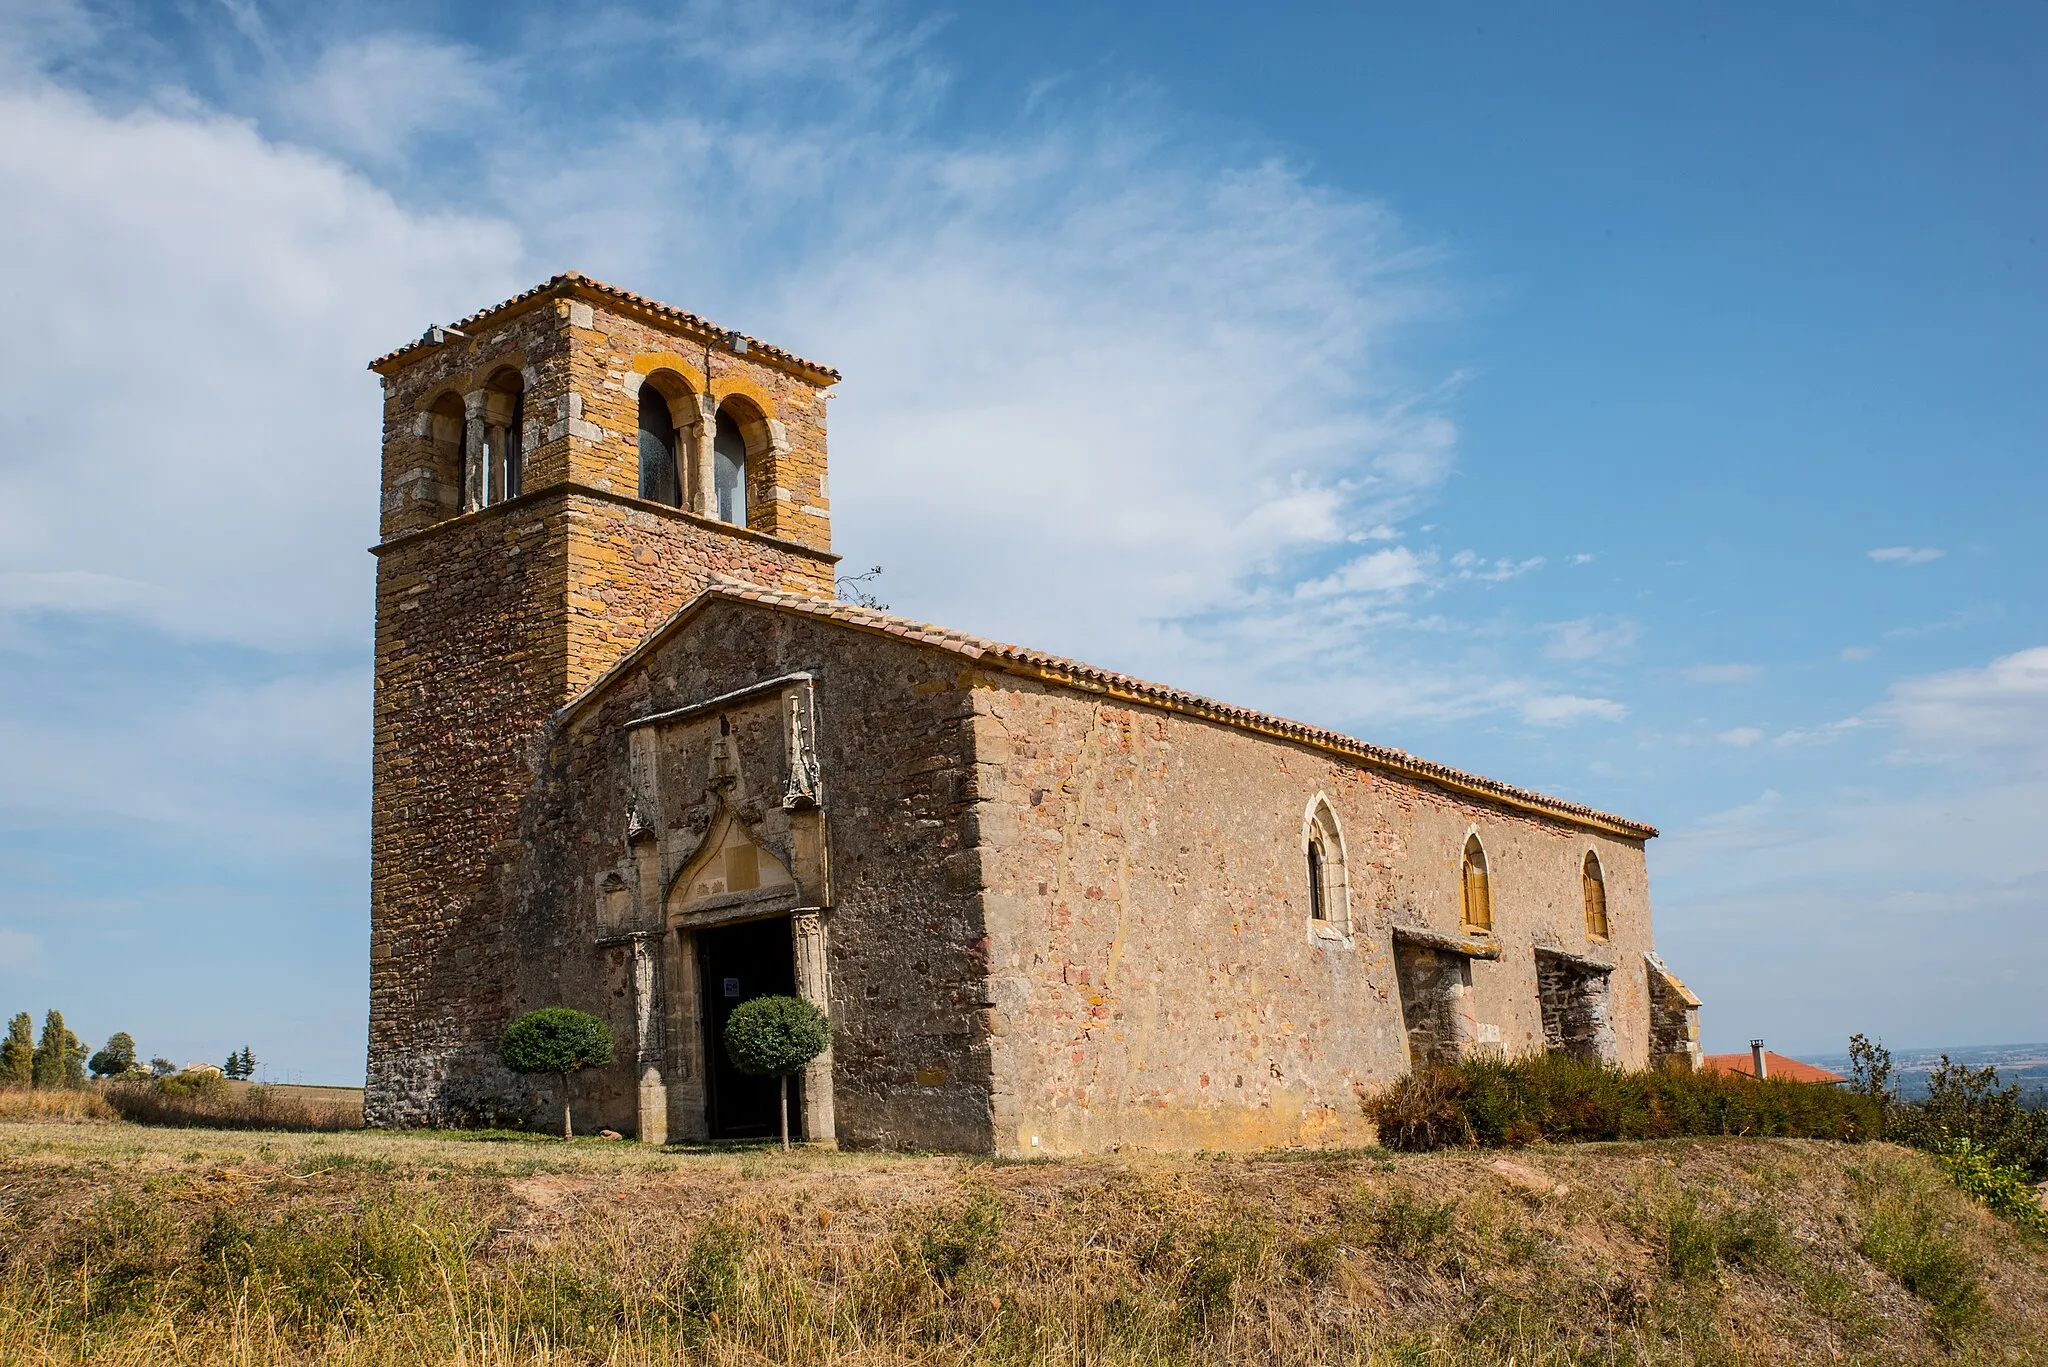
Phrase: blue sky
x=1642 y=404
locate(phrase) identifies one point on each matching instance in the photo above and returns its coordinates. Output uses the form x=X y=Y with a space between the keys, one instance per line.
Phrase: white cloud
x=1741 y=737
x=1996 y=716
x=1592 y=638
x=1382 y=572
x=1848 y=910
x=1472 y=565
x=1566 y=709
x=1722 y=674
x=190 y=435
x=1906 y=555
x=373 y=96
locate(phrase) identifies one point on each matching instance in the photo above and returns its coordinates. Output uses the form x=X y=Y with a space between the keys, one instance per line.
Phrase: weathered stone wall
x=1575 y=1002
x=616 y=352
x=1674 y=1022
x=488 y=621
x=905 y=942
x=1156 y=978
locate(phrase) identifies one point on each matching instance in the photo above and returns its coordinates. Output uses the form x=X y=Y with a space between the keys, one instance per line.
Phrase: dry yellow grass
x=53 y=1105
x=120 y=1244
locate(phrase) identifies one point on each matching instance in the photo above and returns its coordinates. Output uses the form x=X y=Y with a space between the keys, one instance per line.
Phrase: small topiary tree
x=558 y=1040
x=773 y=1037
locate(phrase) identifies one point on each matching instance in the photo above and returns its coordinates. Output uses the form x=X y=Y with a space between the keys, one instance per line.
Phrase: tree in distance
x=59 y=1057
x=241 y=1065
x=117 y=1058
x=558 y=1040
x=774 y=1037
x=162 y=1067
x=18 y=1052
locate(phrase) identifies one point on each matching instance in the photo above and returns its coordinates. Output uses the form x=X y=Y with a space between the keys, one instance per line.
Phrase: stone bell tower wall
x=490 y=618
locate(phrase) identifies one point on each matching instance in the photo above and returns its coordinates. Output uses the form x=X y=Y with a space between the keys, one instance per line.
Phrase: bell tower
x=561 y=473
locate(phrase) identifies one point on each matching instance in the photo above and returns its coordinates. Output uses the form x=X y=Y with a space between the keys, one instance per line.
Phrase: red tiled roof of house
x=1090 y=678
x=570 y=282
x=1776 y=1067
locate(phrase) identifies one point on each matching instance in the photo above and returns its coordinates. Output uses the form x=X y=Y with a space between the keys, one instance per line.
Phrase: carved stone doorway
x=738 y=963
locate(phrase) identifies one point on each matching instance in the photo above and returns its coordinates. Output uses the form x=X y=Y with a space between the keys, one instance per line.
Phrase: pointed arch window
x=658 y=482
x=1594 y=882
x=1475 y=888
x=1329 y=889
x=729 y=470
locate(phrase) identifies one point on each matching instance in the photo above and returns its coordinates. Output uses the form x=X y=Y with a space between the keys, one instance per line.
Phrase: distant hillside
x=2026 y=1064
x=129 y=1245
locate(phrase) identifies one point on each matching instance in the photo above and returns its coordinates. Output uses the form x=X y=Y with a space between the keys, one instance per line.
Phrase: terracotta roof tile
x=571 y=281
x=1776 y=1067
x=1057 y=668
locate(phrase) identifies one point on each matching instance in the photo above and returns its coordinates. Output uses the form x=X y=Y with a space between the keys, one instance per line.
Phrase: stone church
x=633 y=756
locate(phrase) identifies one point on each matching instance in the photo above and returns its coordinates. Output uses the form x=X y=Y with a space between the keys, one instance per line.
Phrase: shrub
x=1551 y=1097
x=558 y=1040
x=773 y=1037
x=63 y=1105
x=117 y=1058
x=1967 y=1103
x=2000 y=1186
x=206 y=1099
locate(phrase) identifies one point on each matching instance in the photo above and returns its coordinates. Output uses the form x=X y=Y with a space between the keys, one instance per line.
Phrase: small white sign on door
x=732 y=987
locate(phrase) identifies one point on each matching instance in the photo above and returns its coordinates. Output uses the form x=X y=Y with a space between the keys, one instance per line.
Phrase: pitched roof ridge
x=573 y=279
x=1045 y=663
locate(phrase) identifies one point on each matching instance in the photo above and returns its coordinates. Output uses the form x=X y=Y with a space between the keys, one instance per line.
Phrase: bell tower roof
x=573 y=284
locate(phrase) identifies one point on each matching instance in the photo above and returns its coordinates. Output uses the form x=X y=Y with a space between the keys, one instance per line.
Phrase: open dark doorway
x=752 y=959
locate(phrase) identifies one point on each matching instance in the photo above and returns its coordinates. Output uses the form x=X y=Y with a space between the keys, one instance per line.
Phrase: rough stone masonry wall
x=1155 y=979
x=469 y=661
x=906 y=944
x=1575 y=1010
x=486 y=623
x=615 y=352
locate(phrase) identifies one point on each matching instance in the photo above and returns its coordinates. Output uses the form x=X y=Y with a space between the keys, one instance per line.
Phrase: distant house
x=1777 y=1067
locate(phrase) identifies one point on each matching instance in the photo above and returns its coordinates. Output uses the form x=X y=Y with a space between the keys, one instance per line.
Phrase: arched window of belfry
x=445 y=428
x=1595 y=884
x=504 y=417
x=1475 y=889
x=658 y=482
x=1329 y=886
x=729 y=469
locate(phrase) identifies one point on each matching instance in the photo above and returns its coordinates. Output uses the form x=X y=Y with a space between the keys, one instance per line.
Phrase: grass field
x=129 y=1244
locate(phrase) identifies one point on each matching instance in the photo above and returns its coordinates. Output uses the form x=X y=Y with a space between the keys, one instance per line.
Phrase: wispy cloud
x=1721 y=674
x=1382 y=572
x=1741 y=737
x=1566 y=709
x=1995 y=717
x=1592 y=638
x=1906 y=555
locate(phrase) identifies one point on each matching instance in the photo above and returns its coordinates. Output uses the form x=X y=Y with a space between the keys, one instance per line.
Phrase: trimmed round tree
x=558 y=1040
x=774 y=1037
